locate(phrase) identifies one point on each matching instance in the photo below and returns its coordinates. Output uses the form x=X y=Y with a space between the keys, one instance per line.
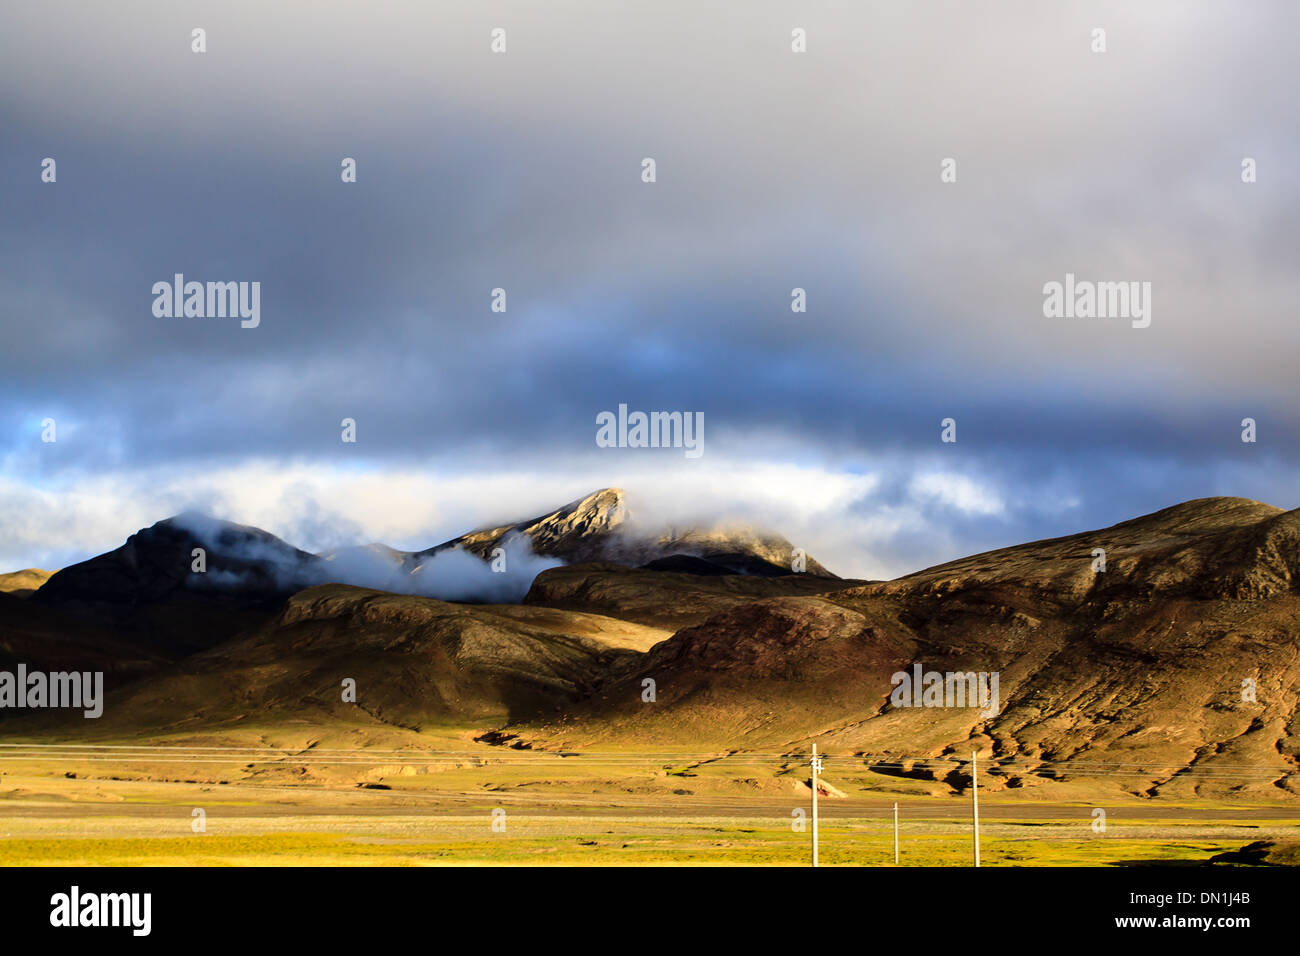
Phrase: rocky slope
x=1140 y=673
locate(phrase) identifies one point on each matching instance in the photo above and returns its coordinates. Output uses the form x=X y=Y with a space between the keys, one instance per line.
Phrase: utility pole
x=816 y=769
x=895 y=834
x=975 y=802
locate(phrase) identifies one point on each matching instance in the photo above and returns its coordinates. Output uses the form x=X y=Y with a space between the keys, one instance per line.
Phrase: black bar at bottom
x=663 y=906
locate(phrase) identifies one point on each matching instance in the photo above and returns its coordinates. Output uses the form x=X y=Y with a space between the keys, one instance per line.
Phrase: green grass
x=580 y=840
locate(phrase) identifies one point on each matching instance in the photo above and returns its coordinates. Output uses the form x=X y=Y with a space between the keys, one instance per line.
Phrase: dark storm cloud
x=775 y=171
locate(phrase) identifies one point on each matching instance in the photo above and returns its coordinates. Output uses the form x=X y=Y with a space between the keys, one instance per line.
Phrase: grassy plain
x=268 y=800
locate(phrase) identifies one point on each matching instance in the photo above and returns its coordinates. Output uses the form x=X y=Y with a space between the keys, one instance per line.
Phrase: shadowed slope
x=664 y=598
x=416 y=662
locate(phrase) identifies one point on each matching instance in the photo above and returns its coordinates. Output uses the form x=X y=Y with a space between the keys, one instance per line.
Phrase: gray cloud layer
x=775 y=170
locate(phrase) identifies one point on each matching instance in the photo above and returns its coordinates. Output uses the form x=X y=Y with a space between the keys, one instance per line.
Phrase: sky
x=523 y=170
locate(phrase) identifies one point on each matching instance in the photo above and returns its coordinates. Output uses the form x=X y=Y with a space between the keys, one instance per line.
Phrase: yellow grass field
x=463 y=803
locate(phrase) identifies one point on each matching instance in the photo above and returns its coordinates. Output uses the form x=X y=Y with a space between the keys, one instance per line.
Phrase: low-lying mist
x=450 y=575
x=240 y=558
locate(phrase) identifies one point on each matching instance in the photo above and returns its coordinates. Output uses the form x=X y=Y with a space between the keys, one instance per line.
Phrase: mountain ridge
x=1178 y=659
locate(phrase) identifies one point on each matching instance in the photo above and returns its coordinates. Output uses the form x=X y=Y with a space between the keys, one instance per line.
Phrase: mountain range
x=1161 y=651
